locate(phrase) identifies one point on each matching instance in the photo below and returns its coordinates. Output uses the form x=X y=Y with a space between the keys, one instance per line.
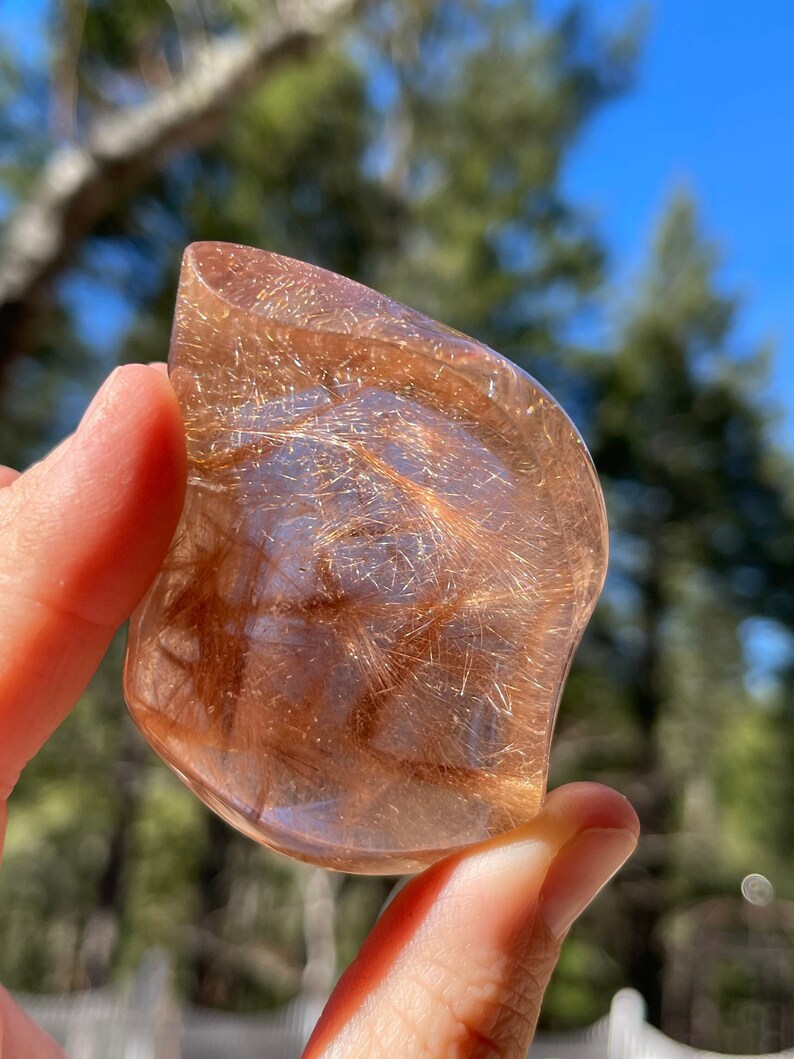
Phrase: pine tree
x=703 y=529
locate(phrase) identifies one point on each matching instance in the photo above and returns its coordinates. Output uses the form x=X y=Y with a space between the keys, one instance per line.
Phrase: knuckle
x=487 y=1009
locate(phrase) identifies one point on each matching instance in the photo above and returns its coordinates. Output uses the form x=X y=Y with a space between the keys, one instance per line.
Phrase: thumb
x=458 y=963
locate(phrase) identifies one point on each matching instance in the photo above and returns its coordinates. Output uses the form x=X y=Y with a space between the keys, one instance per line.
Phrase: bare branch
x=79 y=185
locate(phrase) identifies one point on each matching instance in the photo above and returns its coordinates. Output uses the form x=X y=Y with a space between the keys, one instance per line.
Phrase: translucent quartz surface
x=392 y=541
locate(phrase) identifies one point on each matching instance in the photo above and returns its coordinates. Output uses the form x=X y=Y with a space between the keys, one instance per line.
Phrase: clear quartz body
x=392 y=541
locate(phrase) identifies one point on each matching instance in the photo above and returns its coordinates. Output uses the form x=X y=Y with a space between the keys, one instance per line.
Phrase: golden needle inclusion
x=392 y=541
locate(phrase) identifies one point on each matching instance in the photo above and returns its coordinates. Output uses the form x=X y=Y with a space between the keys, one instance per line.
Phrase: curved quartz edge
x=299 y=846
x=308 y=297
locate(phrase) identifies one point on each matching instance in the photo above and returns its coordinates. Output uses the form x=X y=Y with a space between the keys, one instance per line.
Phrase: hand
x=458 y=963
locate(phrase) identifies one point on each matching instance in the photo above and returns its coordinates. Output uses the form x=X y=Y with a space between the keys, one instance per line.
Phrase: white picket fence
x=144 y=1022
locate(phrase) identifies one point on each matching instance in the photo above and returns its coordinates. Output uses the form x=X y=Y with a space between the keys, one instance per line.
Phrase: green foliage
x=702 y=526
x=473 y=143
x=584 y=981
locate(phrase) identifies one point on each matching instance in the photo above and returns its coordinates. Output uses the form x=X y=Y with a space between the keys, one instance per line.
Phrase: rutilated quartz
x=392 y=541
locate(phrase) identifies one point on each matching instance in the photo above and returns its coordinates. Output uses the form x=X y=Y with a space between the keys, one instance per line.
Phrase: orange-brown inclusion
x=392 y=541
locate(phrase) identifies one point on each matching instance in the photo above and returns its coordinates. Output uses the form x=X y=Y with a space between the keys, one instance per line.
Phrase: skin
x=457 y=964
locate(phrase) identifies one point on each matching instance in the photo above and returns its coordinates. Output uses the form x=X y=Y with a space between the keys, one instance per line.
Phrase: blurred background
x=601 y=192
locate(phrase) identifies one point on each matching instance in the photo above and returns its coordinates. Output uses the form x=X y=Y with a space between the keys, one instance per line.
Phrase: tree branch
x=79 y=185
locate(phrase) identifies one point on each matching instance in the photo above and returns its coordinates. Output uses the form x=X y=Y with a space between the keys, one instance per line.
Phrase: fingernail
x=100 y=397
x=580 y=870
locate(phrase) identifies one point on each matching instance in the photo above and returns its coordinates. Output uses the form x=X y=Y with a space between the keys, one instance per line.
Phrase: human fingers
x=81 y=536
x=7 y=476
x=458 y=963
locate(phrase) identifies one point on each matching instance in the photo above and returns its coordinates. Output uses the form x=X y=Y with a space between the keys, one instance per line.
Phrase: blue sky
x=712 y=109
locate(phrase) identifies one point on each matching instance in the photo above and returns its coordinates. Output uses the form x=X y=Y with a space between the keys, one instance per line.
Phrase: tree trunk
x=319 y=925
x=100 y=935
x=652 y=798
x=210 y=985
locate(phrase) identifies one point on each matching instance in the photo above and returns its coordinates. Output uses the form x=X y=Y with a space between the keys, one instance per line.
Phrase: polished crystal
x=392 y=541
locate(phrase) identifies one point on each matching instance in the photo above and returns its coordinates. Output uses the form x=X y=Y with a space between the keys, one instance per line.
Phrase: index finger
x=81 y=536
